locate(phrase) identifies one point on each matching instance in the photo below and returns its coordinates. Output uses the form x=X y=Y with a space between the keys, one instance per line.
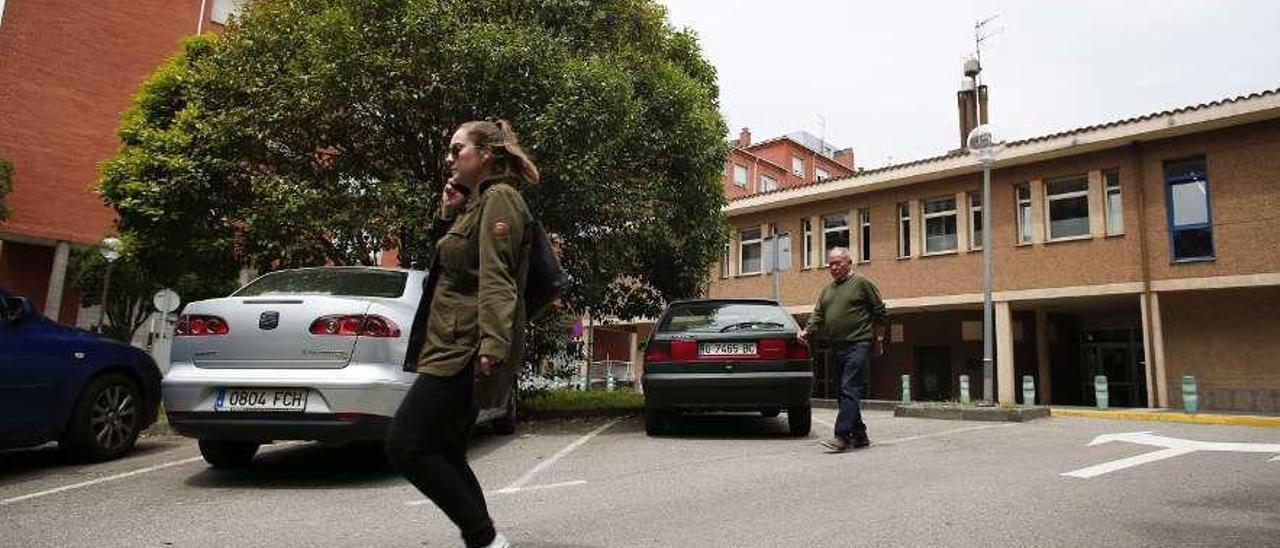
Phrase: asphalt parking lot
x=718 y=480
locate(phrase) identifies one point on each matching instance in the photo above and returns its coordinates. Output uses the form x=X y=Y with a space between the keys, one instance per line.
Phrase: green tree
x=6 y=185
x=131 y=287
x=313 y=131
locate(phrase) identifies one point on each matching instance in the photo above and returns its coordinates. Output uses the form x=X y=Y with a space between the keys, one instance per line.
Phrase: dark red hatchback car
x=726 y=355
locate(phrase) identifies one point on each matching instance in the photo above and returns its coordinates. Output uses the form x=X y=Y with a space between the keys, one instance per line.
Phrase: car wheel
x=799 y=420
x=227 y=454
x=506 y=424
x=655 y=421
x=770 y=412
x=104 y=423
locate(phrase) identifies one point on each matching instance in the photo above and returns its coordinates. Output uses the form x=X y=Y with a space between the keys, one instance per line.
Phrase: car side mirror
x=16 y=309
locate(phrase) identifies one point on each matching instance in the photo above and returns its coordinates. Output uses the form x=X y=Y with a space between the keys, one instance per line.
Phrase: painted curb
x=1171 y=416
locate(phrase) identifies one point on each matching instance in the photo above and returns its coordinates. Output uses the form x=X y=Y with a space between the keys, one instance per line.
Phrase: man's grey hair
x=842 y=252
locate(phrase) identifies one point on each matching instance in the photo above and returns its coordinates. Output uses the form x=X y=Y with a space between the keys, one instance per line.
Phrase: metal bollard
x=610 y=384
x=1100 y=392
x=1190 y=394
x=1028 y=390
x=906 y=389
x=964 y=389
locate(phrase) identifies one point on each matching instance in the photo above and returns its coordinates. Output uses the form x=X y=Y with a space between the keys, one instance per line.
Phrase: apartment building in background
x=68 y=70
x=1142 y=249
x=795 y=159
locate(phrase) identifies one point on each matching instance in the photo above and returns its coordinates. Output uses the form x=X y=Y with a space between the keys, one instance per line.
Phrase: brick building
x=796 y=159
x=68 y=70
x=1144 y=249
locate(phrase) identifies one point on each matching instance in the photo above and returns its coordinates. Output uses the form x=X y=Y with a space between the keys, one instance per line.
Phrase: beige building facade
x=1143 y=250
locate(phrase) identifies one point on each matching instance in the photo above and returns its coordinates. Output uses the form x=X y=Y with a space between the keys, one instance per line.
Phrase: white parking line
x=89 y=483
x=528 y=476
x=120 y=476
x=522 y=484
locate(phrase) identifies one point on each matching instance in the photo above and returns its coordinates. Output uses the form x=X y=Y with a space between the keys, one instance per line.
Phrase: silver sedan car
x=305 y=354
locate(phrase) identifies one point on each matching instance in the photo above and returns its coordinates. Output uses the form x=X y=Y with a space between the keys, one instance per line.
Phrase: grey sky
x=884 y=74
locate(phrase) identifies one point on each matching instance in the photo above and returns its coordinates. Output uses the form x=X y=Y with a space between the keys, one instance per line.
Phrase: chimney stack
x=971 y=115
x=844 y=157
x=744 y=138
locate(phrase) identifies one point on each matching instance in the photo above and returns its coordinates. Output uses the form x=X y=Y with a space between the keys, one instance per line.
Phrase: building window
x=797 y=166
x=224 y=10
x=1190 y=214
x=975 y=220
x=1115 y=208
x=904 y=230
x=864 y=235
x=768 y=184
x=750 y=251
x=740 y=175
x=820 y=174
x=1023 y=192
x=1067 y=205
x=806 y=230
x=835 y=232
x=724 y=261
x=940 y=225
x=780 y=243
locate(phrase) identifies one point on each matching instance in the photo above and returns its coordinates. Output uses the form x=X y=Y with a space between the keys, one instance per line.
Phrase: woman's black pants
x=427 y=444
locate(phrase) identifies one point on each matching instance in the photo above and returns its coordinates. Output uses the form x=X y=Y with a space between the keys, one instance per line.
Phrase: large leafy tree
x=313 y=131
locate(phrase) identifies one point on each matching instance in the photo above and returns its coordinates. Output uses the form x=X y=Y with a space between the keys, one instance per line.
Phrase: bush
x=573 y=402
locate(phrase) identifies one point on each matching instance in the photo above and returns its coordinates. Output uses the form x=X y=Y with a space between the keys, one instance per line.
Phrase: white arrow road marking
x=1114 y=465
x=1172 y=448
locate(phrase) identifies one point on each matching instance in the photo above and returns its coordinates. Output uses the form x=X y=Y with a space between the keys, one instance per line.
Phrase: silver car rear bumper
x=365 y=393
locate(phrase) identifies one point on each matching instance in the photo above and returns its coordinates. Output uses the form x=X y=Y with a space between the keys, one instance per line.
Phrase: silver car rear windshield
x=353 y=282
x=724 y=317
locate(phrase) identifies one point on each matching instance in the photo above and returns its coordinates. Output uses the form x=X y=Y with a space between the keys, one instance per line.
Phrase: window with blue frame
x=1189 y=212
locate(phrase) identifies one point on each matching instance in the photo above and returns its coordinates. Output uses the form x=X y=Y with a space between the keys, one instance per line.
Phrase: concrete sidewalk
x=1168 y=415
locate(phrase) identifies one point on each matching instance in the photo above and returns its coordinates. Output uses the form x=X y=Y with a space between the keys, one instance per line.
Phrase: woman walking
x=468 y=335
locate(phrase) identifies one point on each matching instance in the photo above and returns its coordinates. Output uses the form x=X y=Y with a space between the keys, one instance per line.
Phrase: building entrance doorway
x=1117 y=353
x=934 y=363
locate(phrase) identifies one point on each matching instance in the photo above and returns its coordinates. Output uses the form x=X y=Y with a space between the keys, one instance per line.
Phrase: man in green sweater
x=849 y=314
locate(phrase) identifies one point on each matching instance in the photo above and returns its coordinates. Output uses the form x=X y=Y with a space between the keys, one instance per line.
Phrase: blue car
x=91 y=394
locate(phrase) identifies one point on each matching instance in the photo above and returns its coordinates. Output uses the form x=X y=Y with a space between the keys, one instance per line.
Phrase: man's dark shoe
x=837 y=444
x=861 y=441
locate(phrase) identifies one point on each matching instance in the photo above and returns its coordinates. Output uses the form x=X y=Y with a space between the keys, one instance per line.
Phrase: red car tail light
x=797 y=350
x=657 y=352
x=772 y=349
x=199 y=325
x=682 y=351
x=348 y=325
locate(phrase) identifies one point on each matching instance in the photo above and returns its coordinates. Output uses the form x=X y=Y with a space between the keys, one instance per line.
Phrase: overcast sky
x=884 y=74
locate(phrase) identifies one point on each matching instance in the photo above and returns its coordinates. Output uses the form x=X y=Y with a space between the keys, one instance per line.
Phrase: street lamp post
x=110 y=250
x=982 y=144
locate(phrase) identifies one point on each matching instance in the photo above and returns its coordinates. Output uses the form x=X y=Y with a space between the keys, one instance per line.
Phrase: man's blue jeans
x=854 y=361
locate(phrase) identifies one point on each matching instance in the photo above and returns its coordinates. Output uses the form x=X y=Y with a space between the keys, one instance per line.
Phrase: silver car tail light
x=199 y=325
x=363 y=325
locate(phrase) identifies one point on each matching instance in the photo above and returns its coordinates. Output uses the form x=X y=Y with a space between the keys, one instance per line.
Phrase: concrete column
x=1038 y=221
x=851 y=218
x=1153 y=351
x=1006 y=388
x=1043 y=383
x=962 y=222
x=57 y=279
x=634 y=359
x=1097 y=206
x=815 y=238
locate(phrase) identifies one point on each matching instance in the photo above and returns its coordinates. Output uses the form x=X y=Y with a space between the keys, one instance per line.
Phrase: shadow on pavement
x=318 y=466
x=49 y=458
x=727 y=426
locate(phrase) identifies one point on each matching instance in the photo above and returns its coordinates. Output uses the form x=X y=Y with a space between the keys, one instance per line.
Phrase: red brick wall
x=67 y=72
x=24 y=270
